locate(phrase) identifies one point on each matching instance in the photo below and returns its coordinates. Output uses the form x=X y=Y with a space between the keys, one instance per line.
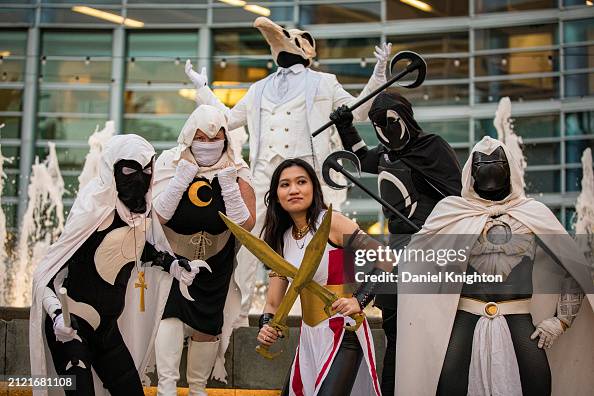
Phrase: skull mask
x=288 y=46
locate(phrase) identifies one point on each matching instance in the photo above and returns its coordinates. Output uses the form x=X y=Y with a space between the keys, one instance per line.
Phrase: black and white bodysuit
x=96 y=277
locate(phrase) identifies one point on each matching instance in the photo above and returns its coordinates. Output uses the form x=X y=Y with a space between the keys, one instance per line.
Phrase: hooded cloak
x=425 y=320
x=94 y=204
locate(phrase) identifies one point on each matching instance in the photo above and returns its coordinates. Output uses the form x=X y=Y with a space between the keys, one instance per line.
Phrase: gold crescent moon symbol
x=193 y=193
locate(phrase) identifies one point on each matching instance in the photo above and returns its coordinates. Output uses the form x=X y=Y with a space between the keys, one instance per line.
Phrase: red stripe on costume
x=371 y=362
x=337 y=327
x=297 y=384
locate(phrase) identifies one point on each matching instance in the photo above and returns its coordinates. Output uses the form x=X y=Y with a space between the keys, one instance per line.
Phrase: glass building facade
x=64 y=69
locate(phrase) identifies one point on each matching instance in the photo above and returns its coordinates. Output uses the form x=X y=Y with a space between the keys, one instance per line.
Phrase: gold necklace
x=300 y=232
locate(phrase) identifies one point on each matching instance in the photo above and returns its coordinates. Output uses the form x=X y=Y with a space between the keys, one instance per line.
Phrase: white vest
x=283 y=129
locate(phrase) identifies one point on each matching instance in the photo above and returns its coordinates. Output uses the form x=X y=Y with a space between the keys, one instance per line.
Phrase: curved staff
x=416 y=63
x=332 y=163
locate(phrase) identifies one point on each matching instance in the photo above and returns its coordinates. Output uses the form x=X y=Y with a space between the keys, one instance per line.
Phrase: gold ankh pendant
x=142 y=285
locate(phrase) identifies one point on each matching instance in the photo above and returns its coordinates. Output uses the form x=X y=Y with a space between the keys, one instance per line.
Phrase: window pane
x=575 y=148
x=168 y=16
x=517 y=63
x=159 y=102
x=14 y=42
x=11 y=185
x=542 y=153
x=513 y=5
x=349 y=73
x=163 y=44
x=516 y=36
x=76 y=43
x=12 y=70
x=237 y=14
x=452 y=131
x=573 y=179
x=339 y=13
x=543 y=181
x=11 y=99
x=578 y=30
x=247 y=41
x=67 y=15
x=16 y=15
x=545 y=125
x=240 y=70
x=579 y=57
x=76 y=71
x=10 y=211
x=434 y=95
x=94 y=102
x=69 y=158
x=579 y=84
x=520 y=89
x=430 y=43
x=579 y=123
x=444 y=68
x=398 y=9
x=156 y=129
x=149 y=72
x=361 y=47
x=13 y=152
x=12 y=128
x=68 y=128
x=88 y=1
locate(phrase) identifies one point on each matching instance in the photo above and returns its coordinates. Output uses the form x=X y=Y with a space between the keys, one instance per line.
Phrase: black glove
x=264 y=319
x=342 y=117
x=164 y=260
x=184 y=263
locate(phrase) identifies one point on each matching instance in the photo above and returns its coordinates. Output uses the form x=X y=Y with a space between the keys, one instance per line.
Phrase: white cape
x=425 y=320
x=93 y=205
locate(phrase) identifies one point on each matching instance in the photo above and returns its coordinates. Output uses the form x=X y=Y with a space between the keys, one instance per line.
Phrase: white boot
x=169 y=344
x=201 y=358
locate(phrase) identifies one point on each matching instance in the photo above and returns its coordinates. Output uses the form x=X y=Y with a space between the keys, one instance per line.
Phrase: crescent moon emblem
x=193 y=193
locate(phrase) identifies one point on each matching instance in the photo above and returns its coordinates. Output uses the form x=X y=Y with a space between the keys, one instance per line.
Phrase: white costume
x=425 y=321
x=195 y=231
x=319 y=343
x=93 y=209
x=281 y=112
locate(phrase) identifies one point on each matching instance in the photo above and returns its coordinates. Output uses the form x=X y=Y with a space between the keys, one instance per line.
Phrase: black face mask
x=491 y=175
x=133 y=182
x=390 y=129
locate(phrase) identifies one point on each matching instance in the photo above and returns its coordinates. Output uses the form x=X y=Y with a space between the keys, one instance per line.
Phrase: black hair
x=278 y=220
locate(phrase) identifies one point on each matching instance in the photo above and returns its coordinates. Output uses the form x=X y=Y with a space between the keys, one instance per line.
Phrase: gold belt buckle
x=491 y=309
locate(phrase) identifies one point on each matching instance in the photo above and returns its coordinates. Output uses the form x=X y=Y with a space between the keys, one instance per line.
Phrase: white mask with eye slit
x=394 y=133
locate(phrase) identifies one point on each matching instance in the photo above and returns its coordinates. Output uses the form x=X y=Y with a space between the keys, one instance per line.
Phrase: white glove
x=382 y=53
x=186 y=277
x=227 y=177
x=63 y=333
x=548 y=330
x=167 y=201
x=185 y=172
x=199 y=80
x=235 y=207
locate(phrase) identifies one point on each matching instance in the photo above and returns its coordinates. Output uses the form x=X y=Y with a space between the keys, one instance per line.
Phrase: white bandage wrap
x=235 y=207
x=167 y=201
x=63 y=333
x=50 y=302
x=358 y=146
x=183 y=276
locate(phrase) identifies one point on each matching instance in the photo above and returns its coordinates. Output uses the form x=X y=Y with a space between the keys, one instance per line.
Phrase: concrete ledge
x=245 y=368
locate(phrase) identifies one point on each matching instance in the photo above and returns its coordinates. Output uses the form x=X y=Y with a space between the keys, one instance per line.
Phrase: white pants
x=248 y=266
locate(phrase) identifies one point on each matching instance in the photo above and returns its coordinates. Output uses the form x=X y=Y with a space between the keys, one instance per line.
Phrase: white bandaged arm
x=50 y=302
x=234 y=205
x=167 y=201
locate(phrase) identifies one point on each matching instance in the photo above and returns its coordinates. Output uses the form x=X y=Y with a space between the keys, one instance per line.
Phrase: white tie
x=283 y=84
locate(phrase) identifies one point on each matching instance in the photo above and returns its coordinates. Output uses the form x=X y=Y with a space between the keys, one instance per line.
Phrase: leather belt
x=493 y=309
x=199 y=246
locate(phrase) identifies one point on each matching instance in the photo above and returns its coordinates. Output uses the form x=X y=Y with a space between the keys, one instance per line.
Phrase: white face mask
x=207 y=153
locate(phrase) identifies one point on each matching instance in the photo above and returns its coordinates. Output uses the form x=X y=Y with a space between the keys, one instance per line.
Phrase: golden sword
x=302 y=277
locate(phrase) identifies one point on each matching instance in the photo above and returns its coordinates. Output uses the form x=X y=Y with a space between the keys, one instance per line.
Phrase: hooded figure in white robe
x=114 y=300
x=453 y=342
